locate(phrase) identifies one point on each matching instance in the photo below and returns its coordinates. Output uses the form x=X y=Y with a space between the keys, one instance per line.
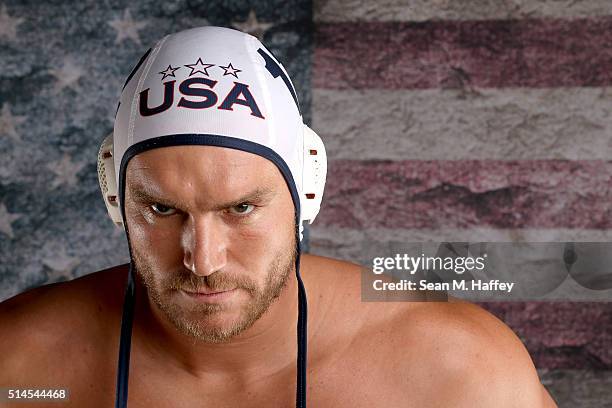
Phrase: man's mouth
x=209 y=295
x=206 y=291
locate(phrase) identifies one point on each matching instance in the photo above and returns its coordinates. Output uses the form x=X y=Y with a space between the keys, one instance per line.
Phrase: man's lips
x=205 y=292
x=209 y=296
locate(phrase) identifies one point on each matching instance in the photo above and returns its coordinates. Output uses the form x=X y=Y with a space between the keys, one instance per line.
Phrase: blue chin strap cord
x=127 y=317
x=125 y=342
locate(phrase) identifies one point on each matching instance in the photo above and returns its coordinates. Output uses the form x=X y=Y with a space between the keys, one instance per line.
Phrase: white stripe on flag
x=491 y=124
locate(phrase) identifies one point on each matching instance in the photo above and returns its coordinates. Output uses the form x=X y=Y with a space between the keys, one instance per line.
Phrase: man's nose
x=204 y=245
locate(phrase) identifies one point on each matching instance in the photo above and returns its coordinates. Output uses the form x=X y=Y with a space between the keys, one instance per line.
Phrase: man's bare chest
x=343 y=384
x=347 y=383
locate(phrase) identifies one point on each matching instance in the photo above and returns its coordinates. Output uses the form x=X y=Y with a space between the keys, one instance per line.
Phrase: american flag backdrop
x=443 y=120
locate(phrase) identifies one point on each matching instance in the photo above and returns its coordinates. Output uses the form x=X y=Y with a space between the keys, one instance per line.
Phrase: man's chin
x=214 y=323
x=215 y=328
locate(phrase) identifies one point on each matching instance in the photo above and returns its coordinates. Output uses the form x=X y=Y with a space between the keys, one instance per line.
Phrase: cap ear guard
x=314 y=175
x=107 y=180
x=313 y=178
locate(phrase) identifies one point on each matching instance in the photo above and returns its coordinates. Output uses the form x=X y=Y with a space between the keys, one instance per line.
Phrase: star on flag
x=127 y=28
x=67 y=75
x=252 y=25
x=6 y=219
x=65 y=171
x=8 y=24
x=60 y=266
x=9 y=122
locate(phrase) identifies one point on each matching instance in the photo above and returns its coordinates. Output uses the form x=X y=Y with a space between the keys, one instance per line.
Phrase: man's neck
x=267 y=347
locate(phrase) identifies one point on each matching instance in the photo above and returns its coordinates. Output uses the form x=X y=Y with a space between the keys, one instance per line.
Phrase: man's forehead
x=209 y=170
x=182 y=163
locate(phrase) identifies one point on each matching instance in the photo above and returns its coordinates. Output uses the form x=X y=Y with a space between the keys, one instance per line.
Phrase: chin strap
x=123 y=369
x=302 y=338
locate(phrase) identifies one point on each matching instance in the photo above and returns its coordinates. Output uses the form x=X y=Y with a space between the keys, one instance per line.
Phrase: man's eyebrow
x=259 y=194
x=141 y=194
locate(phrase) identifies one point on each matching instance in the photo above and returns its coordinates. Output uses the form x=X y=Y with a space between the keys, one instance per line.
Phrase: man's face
x=212 y=236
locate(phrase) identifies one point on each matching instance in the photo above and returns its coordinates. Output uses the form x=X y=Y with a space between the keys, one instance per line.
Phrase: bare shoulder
x=334 y=283
x=455 y=352
x=316 y=264
x=42 y=326
x=475 y=359
x=64 y=301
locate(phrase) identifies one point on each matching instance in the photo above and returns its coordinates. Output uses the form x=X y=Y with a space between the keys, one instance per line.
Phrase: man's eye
x=242 y=209
x=162 y=209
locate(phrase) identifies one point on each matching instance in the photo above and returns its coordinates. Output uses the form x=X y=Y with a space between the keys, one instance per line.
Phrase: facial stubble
x=198 y=321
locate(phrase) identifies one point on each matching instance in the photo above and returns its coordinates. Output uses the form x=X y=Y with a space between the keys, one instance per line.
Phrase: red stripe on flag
x=460 y=194
x=457 y=54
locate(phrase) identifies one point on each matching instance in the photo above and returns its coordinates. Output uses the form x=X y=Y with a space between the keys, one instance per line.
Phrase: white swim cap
x=218 y=86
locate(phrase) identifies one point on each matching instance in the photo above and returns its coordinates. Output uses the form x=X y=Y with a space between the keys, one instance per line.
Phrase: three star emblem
x=200 y=67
